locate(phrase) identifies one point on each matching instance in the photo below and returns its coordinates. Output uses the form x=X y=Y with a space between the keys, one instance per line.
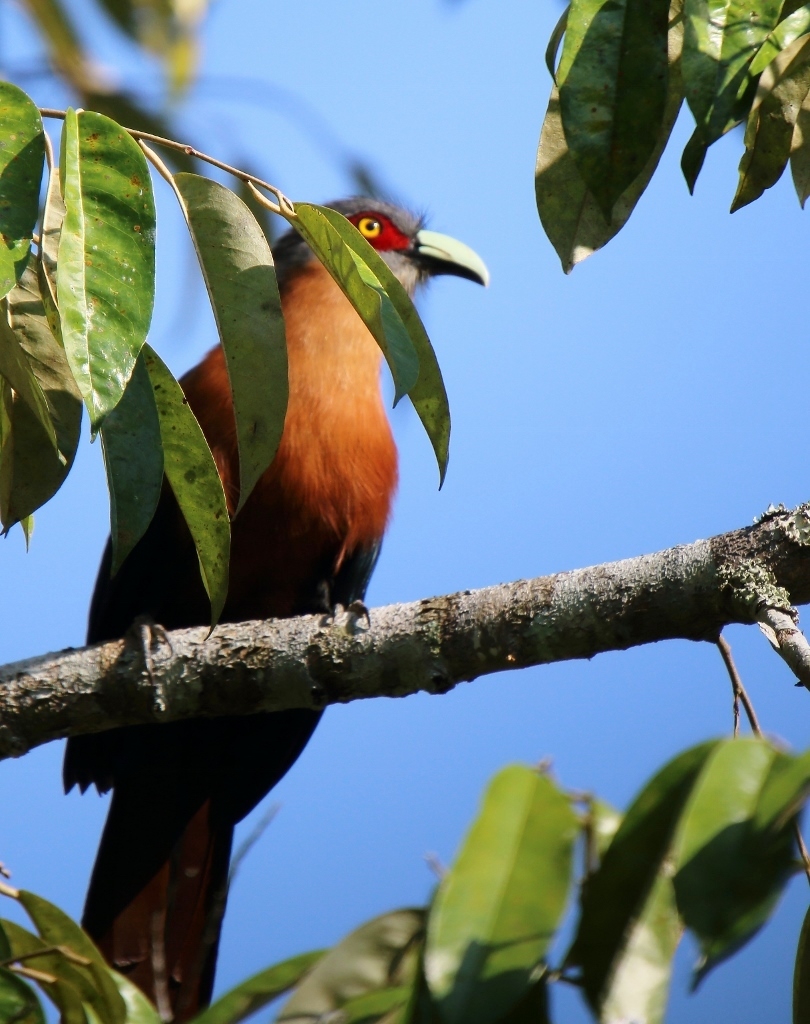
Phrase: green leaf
x=769 y=131
x=259 y=990
x=65 y=992
x=18 y=1004
x=801 y=975
x=373 y=1006
x=627 y=932
x=33 y=469
x=732 y=863
x=720 y=42
x=554 y=43
x=613 y=90
x=569 y=213
x=52 y=217
x=139 y=1009
x=786 y=32
x=241 y=280
x=363 y=288
x=22 y=158
x=106 y=263
x=193 y=477
x=16 y=369
x=602 y=825
x=133 y=458
x=428 y=395
x=498 y=907
x=379 y=955
x=785 y=790
x=57 y=929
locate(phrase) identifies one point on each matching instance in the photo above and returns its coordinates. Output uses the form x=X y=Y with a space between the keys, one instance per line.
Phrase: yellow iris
x=369 y=227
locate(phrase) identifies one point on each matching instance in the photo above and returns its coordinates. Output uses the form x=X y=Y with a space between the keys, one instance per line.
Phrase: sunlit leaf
x=57 y=929
x=428 y=394
x=378 y=955
x=731 y=868
x=62 y=41
x=720 y=42
x=353 y=273
x=569 y=213
x=133 y=458
x=602 y=825
x=241 y=279
x=374 y=1006
x=498 y=907
x=193 y=477
x=786 y=32
x=554 y=43
x=139 y=1009
x=258 y=991
x=18 y=1004
x=770 y=127
x=106 y=264
x=627 y=931
x=22 y=158
x=612 y=80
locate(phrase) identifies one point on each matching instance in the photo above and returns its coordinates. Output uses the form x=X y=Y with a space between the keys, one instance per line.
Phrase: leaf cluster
x=707 y=845
x=624 y=70
x=75 y=312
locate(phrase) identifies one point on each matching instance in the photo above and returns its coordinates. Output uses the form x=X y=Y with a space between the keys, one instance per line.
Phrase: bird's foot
x=148 y=635
x=357 y=610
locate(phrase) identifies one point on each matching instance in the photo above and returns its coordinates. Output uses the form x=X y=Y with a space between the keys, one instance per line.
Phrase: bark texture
x=688 y=592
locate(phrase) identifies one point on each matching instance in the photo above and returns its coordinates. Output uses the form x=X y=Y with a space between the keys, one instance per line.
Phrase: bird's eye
x=369 y=227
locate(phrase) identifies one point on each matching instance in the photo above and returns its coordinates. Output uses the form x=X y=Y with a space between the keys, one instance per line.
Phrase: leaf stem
x=285 y=206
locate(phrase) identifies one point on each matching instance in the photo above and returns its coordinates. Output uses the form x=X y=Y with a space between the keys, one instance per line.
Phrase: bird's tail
x=157 y=896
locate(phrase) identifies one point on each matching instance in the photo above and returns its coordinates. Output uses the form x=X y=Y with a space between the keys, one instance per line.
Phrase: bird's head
x=413 y=253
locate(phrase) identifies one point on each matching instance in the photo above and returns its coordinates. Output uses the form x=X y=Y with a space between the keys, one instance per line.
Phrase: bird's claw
x=357 y=610
x=148 y=635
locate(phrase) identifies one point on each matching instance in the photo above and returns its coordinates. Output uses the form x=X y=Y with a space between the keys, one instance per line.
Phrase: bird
x=306 y=540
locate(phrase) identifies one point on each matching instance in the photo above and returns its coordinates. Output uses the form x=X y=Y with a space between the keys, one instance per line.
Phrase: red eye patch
x=379 y=231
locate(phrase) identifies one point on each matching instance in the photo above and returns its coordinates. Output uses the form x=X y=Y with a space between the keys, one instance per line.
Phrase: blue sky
x=653 y=397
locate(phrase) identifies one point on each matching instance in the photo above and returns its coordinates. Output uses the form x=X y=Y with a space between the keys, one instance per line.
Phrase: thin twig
x=285 y=205
x=741 y=695
x=739 y=690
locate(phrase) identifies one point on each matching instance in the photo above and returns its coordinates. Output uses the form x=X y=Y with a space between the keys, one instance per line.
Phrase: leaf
x=133 y=459
x=193 y=477
x=57 y=929
x=63 y=993
x=800 y=152
x=380 y=954
x=626 y=934
x=259 y=990
x=569 y=213
x=373 y=1006
x=52 y=217
x=64 y=48
x=18 y=1004
x=239 y=274
x=602 y=825
x=801 y=975
x=428 y=394
x=554 y=43
x=363 y=289
x=720 y=42
x=106 y=263
x=769 y=131
x=22 y=157
x=139 y=1009
x=613 y=90
x=731 y=863
x=498 y=907
x=16 y=369
x=33 y=469
x=786 y=32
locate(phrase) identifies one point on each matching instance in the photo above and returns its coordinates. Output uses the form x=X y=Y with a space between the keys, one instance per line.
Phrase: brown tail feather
x=165 y=938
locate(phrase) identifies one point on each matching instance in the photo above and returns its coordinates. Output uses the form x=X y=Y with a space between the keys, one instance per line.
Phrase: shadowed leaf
x=193 y=477
x=18 y=1004
x=241 y=280
x=801 y=975
x=612 y=80
x=498 y=907
x=106 y=264
x=258 y=991
x=133 y=459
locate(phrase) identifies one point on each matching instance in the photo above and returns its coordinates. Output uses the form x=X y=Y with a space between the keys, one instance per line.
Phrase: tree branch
x=688 y=592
